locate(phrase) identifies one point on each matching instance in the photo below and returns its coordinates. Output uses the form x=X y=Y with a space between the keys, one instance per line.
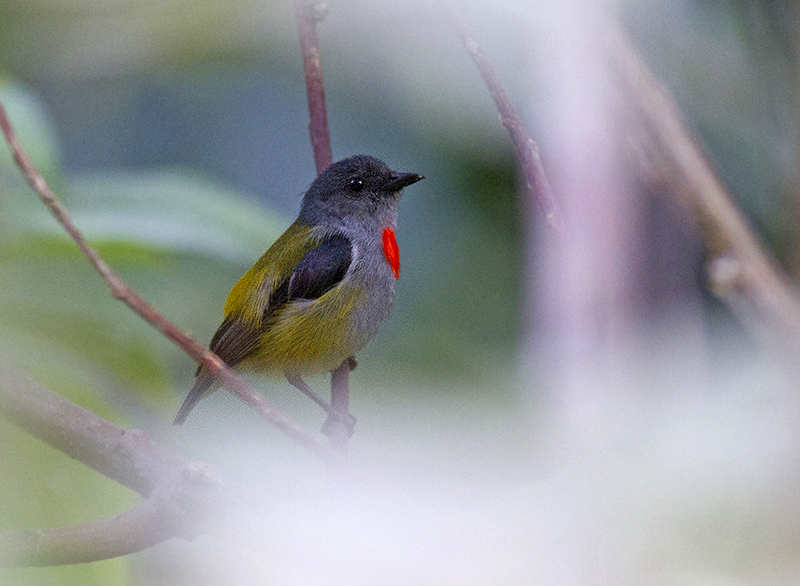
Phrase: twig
x=660 y=136
x=120 y=291
x=308 y=13
x=527 y=150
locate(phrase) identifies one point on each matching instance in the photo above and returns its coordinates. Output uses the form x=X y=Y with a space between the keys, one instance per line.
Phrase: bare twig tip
x=527 y=152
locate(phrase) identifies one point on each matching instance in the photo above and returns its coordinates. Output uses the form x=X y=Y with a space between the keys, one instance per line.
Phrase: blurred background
x=573 y=412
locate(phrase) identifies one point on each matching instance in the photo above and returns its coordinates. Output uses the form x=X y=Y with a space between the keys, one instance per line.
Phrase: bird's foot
x=300 y=385
x=336 y=418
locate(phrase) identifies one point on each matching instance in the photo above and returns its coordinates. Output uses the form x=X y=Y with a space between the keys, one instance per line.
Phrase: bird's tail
x=202 y=386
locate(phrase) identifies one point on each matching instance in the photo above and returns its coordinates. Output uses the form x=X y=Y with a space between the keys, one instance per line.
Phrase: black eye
x=356 y=184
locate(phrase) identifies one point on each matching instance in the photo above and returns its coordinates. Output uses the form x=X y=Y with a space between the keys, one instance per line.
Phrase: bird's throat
x=391 y=251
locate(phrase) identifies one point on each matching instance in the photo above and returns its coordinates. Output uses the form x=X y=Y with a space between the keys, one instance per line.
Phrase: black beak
x=400 y=180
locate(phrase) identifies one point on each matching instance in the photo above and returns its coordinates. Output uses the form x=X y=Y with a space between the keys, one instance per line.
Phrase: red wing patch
x=391 y=251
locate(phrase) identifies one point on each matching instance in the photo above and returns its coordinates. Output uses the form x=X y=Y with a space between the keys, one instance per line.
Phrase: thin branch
x=119 y=290
x=527 y=150
x=665 y=146
x=308 y=13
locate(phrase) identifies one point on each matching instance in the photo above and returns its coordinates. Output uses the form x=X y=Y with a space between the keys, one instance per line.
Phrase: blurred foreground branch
x=180 y=495
x=741 y=270
x=119 y=290
x=130 y=532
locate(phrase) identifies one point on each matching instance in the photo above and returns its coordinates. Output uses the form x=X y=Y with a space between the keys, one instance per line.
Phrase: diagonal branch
x=119 y=290
x=526 y=148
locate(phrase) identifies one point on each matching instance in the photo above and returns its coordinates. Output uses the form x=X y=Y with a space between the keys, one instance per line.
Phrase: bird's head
x=357 y=189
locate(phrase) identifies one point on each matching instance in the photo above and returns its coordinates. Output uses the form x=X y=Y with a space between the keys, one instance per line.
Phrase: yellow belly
x=309 y=337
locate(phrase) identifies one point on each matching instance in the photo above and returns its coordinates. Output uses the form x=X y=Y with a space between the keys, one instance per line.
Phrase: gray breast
x=370 y=273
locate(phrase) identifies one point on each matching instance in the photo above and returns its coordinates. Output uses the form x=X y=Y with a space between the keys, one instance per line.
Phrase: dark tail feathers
x=199 y=390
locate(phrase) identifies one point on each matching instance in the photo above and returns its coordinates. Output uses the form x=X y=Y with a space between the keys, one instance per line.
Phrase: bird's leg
x=299 y=384
x=351 y=361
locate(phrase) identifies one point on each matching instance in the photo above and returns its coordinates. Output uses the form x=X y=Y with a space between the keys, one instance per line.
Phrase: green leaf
x=174 y=209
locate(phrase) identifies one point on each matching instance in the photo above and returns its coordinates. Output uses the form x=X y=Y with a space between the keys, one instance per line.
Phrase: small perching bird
x=320 y=292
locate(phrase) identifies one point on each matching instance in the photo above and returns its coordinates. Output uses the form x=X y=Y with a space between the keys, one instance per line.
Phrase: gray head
x=357 y=186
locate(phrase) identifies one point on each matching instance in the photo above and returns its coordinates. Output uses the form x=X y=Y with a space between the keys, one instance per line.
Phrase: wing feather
x=321 y=269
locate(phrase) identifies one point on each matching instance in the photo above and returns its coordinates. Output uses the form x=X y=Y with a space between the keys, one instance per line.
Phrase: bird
x=320 y=292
